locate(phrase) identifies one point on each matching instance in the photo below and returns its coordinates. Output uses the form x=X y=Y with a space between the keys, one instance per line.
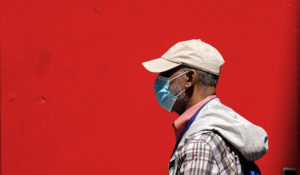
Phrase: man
x=211 y=137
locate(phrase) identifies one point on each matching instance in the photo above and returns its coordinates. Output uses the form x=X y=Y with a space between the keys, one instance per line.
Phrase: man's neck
x=201 y=93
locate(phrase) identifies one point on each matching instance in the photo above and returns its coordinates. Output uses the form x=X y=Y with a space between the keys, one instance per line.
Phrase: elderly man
x=211 y=137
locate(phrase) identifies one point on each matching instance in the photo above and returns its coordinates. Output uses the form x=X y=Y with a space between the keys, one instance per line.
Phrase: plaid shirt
x=205 y=153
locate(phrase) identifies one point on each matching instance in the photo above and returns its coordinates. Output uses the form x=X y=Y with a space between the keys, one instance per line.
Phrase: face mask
x=164 y=97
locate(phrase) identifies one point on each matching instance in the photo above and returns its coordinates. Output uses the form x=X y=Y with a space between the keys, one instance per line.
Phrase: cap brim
x=159 y=65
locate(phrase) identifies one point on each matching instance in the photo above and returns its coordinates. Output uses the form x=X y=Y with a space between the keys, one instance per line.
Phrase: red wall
x=75 y=98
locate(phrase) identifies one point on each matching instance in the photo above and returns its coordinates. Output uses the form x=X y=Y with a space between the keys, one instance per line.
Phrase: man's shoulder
x=210 y=147
x=203 y=136
x=212 y=139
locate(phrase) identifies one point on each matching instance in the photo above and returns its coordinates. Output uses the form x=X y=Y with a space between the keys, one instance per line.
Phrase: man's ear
x=190 y=78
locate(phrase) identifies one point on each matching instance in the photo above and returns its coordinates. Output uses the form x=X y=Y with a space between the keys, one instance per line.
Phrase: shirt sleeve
x=198 y=159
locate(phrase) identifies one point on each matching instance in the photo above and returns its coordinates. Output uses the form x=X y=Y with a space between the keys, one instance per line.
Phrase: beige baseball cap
x=193 y=53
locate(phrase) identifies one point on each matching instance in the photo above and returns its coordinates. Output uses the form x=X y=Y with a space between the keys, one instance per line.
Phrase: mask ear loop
x=180 y=93
x=179 y=75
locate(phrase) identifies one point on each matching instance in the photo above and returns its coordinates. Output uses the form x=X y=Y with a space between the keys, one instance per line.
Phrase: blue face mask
x=164 y=97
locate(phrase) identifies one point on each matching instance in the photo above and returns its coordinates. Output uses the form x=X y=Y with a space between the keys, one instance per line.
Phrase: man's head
x=195 y=83
x=197 y=65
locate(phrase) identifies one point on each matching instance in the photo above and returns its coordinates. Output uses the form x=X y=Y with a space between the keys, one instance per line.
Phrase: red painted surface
x=76 y=100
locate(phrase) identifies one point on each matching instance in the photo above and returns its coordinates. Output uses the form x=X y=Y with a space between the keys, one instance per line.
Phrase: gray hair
x=204 y=78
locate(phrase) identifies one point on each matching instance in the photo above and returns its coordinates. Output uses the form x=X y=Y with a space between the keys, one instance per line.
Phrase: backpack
x=249 y=167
